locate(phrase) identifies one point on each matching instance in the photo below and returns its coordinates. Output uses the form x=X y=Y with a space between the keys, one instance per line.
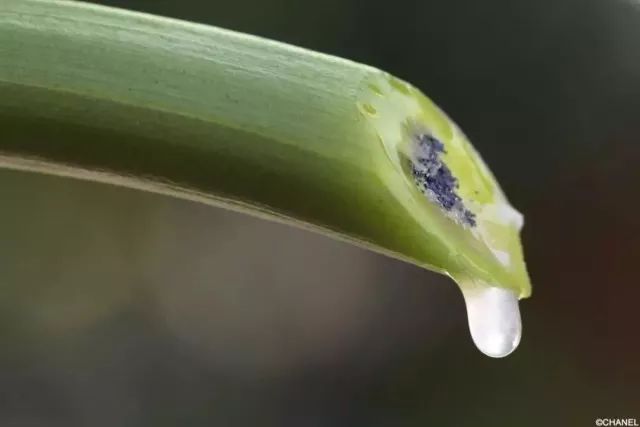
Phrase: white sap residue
x=494 y=319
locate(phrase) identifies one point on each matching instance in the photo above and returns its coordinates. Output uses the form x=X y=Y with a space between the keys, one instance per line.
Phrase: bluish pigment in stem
x=435 y=180
x=494 y=319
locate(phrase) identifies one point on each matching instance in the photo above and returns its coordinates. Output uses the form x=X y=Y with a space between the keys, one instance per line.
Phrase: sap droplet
x=494 y=319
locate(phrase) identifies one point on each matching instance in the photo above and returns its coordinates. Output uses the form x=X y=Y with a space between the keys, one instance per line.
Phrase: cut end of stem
x=465 y=223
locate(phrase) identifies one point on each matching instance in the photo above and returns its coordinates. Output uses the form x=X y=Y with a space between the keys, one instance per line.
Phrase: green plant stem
x=235 y=120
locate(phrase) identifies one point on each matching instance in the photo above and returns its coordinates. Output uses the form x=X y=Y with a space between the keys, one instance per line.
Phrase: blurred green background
x=120 y=308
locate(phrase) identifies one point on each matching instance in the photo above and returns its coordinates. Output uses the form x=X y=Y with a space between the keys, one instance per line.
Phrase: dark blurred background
x=120 y=308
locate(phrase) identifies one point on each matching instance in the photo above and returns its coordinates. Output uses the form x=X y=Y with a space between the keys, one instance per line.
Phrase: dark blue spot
x=434 y=177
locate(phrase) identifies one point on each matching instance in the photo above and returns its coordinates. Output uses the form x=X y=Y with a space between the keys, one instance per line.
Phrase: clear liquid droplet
x=494 y=319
